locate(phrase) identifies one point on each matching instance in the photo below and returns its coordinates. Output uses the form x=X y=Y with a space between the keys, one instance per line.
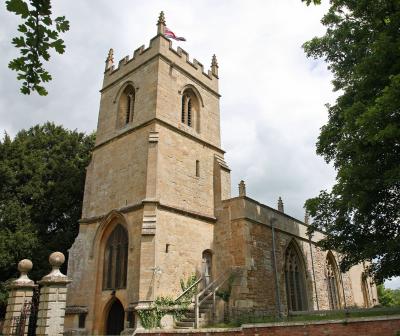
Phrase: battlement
x=112 y=69
x=160 y=46
x=184 y=55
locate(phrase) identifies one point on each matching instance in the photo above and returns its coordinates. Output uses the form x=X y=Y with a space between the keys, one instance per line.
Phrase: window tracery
x=365 y=290
x=116 y=259
x=332 y=280
x=295 y=280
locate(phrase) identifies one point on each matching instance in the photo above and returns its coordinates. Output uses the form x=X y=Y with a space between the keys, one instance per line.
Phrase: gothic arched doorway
x=115 y=318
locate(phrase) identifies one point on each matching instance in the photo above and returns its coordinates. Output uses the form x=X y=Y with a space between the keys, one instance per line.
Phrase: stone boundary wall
x=377 y=326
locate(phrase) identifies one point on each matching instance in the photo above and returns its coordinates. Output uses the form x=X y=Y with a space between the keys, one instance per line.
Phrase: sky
x=273 y=97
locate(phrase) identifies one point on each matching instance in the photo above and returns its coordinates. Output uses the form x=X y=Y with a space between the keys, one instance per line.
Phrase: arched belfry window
x=332 y=280
x=116 y=259
x=295 y=279
x=190 y=109
x=126 y=106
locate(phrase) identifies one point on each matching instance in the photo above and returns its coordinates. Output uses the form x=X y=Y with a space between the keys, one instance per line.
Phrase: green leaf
x=47 y=21
x=19 y=42
x=25 y=90
x=59 y=46
x=18 y=7
x=40 y=90
x=315 y=2
x=17 y=64
x=42 y=171
x=62 y=25
x=360 y=215
x=45 y=76
x=22 y=28
x=35 y=43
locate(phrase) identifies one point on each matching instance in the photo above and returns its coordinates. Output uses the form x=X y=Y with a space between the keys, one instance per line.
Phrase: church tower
x=156 y=178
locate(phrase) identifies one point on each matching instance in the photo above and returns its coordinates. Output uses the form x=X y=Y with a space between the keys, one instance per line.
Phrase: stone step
x=205 y=308
x=183 y=328
x=210 y=299
x=188 y=320
x=181 y=324
x=191 y=315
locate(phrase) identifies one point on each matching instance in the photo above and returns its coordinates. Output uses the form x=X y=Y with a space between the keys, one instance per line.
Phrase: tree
x=39 y=35
x=360 y=215
x=388 y=297
x=42 y=175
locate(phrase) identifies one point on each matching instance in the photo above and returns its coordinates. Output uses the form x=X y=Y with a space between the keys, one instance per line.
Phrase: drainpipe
x=277 y=295
x=313 y=271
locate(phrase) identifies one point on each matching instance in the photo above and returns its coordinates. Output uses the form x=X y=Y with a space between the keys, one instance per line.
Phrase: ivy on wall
x=163 y=305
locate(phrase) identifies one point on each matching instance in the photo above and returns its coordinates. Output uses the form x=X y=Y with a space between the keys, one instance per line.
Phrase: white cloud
x=272 y=95
x=393 y=283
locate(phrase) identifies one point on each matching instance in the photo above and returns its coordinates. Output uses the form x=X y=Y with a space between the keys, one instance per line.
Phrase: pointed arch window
x=332 y=280
x=295 y=280
x=365 y=290
x=126 y=106
x=116 y=259
x=190 y=109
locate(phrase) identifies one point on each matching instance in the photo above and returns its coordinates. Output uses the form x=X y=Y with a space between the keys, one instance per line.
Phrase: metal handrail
x=214 y=282
x=206 y=297
x=197 y=303
x=189 y=288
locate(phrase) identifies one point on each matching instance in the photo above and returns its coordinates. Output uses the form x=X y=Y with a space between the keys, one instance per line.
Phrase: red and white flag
x=169 y=34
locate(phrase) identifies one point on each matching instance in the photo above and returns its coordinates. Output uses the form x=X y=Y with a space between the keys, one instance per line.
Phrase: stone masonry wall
x=144 y=80
x=254 y=292
x=116 y=176
x=178 y=184
x=171 y=84
x=186 y=238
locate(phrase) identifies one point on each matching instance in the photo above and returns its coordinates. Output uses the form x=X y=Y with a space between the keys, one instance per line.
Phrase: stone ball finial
x=25 y=265
x=56 y=259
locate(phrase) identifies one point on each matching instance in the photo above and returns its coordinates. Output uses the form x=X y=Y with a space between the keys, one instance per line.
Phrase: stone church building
x=158 y=208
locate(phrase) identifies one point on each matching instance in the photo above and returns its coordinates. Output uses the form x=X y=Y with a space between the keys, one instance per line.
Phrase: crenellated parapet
x=161 y=47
